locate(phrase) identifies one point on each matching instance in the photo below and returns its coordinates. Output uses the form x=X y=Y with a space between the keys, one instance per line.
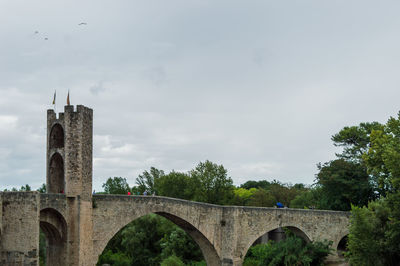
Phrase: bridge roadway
x=223 y=233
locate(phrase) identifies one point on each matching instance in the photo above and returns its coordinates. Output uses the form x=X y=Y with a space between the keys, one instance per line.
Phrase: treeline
x=153 y=240
x=209 y=183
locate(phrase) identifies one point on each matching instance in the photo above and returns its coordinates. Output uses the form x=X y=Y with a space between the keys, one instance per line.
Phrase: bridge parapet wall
x=19 y=240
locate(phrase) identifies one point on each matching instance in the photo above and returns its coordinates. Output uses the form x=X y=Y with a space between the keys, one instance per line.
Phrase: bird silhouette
x=82 y=23
x=46 y=39
x=36 y=32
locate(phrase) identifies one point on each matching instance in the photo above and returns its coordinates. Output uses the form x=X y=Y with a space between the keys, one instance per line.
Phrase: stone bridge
x=223 y=233
x=78 y=225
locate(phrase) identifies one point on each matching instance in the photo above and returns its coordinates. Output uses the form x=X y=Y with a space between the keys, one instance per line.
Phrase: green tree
x=172 y=261
x=344 y=183
x=284 y=193
x=256 y=184
x=366 y=241
x=377 y=228
x=211 y=183
x=116 y=259
x=178 y=243
x=174 y=184
x=383 y=156
x=116 y=185
x=311 y=198
x=42 y=188
x=262 y=198
x=242 y=196
x=26 y=188
x=355 y=140
x=293 y=250
x=147 y=180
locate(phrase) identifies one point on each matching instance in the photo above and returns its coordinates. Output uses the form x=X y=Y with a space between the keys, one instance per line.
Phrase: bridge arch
x=131 y=208
x=275 y=229
x=54 y=226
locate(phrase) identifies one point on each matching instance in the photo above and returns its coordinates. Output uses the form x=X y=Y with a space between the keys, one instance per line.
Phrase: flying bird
x=46 y=39
x=36 y=32
x=82 y=23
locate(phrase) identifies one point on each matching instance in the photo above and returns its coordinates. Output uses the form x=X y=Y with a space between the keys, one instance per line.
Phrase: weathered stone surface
x=19 y=240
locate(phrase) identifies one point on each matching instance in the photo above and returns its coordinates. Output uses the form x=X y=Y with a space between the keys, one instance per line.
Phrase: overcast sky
x=258 y=86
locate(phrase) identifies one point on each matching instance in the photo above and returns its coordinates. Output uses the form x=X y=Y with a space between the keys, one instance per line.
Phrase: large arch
x=56 y=139
x=56 y=174
x=113 y=212
x=54 y=226
x=209 y=253
x=297 y=230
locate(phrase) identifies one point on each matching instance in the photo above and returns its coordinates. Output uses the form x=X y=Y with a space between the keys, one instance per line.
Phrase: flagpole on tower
x=68 y=98
x=54 y=101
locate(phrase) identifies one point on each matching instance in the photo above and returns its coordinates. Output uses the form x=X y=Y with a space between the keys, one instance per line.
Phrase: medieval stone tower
x=69 y=176
x=69 y=151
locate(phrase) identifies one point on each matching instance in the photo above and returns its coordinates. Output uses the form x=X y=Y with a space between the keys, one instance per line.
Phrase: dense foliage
x=374 y=237
x=293 y=250
x=150 y=240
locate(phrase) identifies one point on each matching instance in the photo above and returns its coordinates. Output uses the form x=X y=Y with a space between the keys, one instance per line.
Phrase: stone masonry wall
x=19 y=240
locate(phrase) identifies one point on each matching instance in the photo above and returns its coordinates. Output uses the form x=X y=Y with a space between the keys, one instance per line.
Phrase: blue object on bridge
x=279 y=205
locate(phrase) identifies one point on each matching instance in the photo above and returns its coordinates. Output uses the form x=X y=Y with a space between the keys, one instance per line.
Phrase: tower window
x=56 y=173
x=57 y=137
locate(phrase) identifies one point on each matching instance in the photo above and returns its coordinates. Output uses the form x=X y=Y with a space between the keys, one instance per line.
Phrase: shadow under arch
x=54 y=226
x=342 y=246
x=276 y=234
x=207 y=249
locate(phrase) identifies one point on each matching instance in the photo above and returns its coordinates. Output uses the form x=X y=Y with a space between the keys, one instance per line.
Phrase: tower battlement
x=70 y=151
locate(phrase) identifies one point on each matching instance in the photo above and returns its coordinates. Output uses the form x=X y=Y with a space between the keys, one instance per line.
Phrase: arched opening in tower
x=53 y=238
x=158 y=239
x=56 y=137
x=56 y=174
